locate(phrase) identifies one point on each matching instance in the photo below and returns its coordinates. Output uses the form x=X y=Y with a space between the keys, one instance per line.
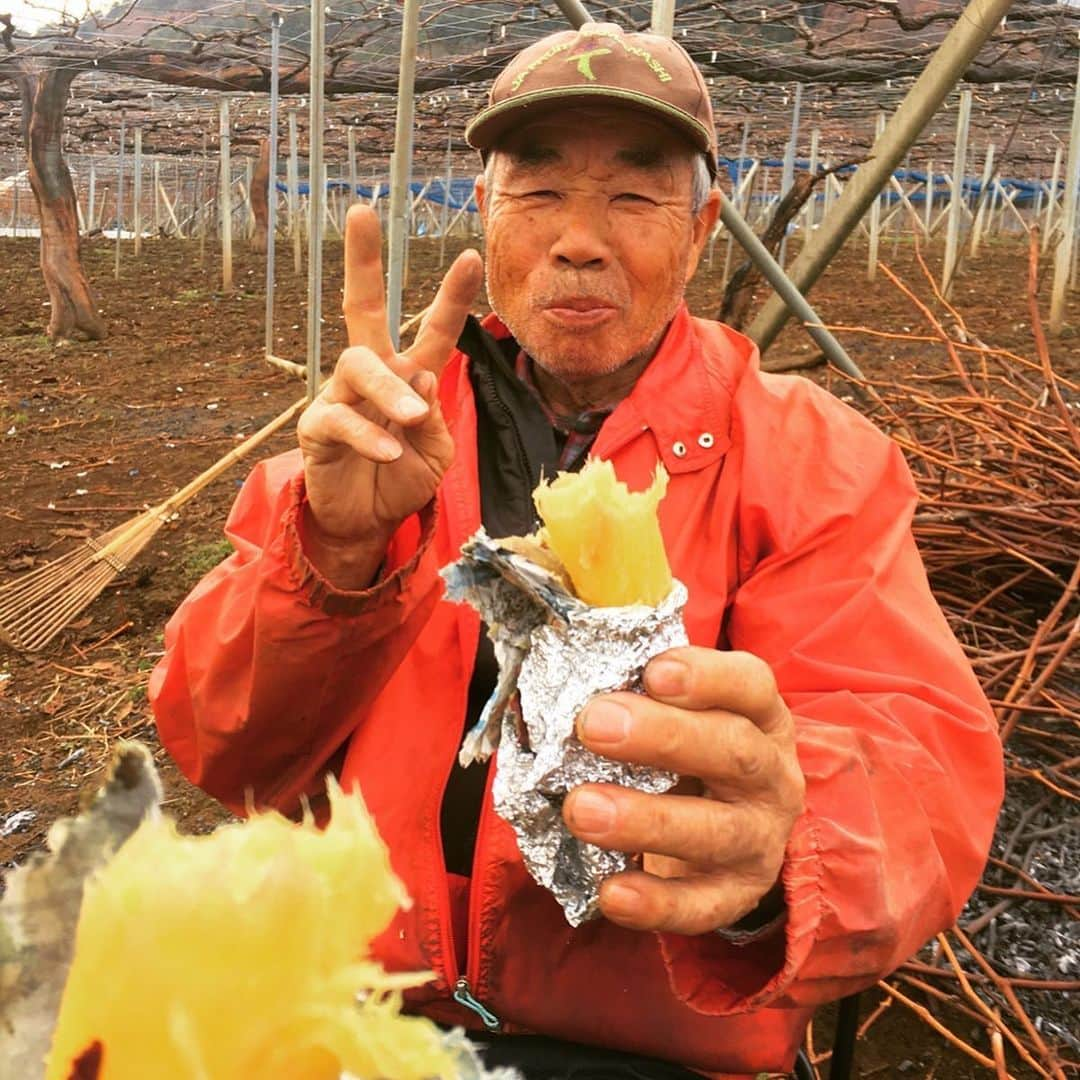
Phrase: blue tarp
x=1028 y=190
x=460 y=191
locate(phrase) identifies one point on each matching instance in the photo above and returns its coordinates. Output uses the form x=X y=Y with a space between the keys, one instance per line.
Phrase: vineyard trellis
x=163 y=67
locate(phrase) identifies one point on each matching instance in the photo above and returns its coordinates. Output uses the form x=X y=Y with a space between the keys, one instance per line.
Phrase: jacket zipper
x=523 y=460
x=463 y=996
x=462 y=986
x=472 y=975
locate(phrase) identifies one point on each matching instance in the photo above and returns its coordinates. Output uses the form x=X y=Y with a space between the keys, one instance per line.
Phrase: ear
x=480 y=195
x=703 y=227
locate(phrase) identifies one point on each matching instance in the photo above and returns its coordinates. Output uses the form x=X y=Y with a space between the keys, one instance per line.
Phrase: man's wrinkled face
x=590 y=241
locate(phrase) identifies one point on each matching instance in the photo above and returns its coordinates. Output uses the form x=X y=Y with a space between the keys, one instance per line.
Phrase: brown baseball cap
x=600 y=62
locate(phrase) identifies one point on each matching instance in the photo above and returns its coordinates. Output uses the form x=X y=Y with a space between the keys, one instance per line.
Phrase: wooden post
x=832 y=188
x=293 y=178
x=875 y=214
x=351 y=133
x=1064 y=251
x=811 y=203
x=1051 y=202
x=248 y=205
x=981 y=214
x=89 y=198
x=119 y=198
x=225 y=199
x=445 y=216
x=928 y=206
x=956 y=204
x=200 y=193
x=787 y=176
x=136 y=193
x=399 y=178
x=164 y=196
x=663 y=17
x=157 y=197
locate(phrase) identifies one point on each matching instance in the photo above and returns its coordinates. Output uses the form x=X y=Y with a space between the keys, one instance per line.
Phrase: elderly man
x=841 y=773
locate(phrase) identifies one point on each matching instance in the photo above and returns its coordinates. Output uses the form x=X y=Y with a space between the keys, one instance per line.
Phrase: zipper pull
x=463 y=997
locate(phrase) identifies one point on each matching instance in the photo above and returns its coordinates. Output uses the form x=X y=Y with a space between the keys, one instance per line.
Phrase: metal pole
x=973 y=27
x=399 y=174
x=271 y=195
x=791 y=296
x=119 y=198
x=1063 y=252
x=663 y=17
x=225 y=199
x=956 y=203
x=316 y=200
x=574 y=11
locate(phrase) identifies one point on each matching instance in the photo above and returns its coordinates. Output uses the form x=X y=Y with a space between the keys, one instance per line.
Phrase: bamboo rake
x=37 y=606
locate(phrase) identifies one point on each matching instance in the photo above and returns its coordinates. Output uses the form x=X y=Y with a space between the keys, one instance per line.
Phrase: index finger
x=364 y=304
x=440 y=330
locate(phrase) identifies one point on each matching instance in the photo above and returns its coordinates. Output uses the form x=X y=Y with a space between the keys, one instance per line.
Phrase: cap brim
x=489 y=126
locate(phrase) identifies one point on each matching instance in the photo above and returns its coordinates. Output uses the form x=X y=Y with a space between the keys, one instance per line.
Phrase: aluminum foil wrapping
x=555 y=653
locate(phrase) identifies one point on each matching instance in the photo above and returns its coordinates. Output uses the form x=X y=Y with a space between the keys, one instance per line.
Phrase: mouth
x=579 y=312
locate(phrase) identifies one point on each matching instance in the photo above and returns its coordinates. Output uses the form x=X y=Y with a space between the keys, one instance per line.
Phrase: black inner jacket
x=516 y=444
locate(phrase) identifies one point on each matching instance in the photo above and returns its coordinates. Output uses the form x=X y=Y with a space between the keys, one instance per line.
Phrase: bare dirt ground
x=91 y=433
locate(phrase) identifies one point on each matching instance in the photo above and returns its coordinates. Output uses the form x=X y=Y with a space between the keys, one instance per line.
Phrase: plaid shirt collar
x=576 y=432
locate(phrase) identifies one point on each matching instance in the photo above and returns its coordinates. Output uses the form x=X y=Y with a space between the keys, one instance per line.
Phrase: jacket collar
x=683 y=397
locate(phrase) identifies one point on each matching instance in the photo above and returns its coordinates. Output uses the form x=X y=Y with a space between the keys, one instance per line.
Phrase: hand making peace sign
x=374 y=441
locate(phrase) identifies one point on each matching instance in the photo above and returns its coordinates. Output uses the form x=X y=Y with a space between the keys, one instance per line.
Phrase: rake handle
x=162 y=511
x=192 y=488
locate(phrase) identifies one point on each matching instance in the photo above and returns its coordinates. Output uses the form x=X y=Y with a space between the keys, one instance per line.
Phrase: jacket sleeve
x=898 y=745
x=267 y=667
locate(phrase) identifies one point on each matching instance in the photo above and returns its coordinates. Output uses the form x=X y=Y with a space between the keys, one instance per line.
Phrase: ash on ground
x=1038 y=832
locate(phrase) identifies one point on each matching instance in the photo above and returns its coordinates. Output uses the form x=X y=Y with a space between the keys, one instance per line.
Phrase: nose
x=581 y=242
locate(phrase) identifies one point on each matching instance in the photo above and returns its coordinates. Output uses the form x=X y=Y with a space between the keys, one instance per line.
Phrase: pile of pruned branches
x=994 y=445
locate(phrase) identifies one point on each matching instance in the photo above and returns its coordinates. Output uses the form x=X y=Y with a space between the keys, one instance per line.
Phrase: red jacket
x=788 y=518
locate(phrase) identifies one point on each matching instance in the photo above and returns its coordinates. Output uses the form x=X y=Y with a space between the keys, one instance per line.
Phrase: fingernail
x=621 y=899
x=423 y=382
x=389 y=449
x=409 y=408
x=666 y=678
x=592 y=811
x=605 y=722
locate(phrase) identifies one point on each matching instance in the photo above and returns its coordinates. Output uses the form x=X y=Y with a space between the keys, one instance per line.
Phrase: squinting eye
x=630 y=196
x=539 y=195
